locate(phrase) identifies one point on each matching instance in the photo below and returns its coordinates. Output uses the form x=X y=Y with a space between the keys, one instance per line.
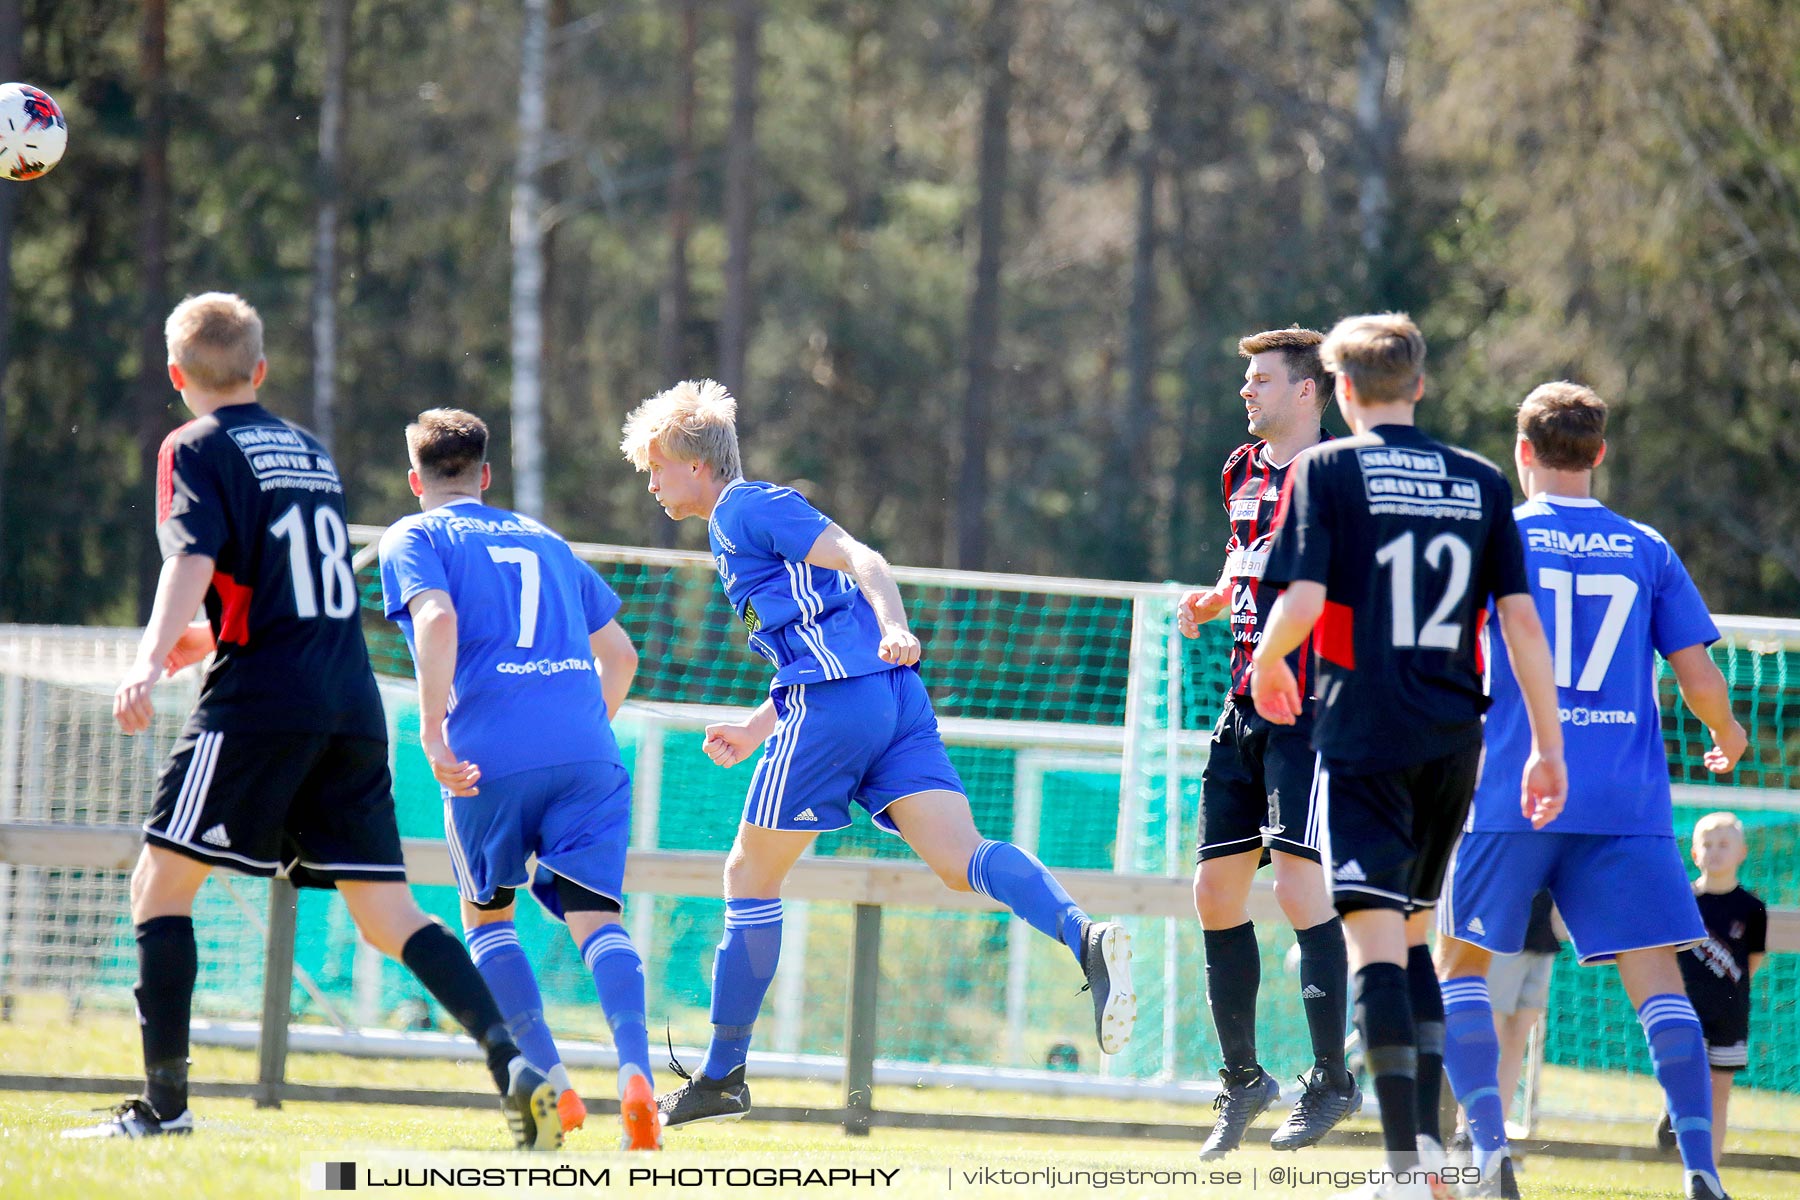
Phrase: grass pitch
x=242 y=1151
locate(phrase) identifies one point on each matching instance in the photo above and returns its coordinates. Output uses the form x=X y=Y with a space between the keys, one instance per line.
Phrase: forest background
x=976 y=270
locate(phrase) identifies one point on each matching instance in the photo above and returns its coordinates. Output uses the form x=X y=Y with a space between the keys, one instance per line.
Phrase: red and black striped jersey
x=1251 y=486
x=262 y=499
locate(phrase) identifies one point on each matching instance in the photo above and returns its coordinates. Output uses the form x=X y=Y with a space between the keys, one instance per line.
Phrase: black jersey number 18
x=339 y=582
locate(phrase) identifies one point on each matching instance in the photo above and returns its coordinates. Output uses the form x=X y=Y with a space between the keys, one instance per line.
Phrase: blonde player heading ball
x=847 y=722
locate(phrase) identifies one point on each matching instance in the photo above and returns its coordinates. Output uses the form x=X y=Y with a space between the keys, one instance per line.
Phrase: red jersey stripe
x=1335 y=635
x=234 y=609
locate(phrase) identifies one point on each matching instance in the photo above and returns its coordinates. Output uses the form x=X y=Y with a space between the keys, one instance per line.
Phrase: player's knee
x=1457 y=958
x=955 y=877
x=160 y=888
x=1302 y=897
x=385 y=914
x=1217 y=905
x=747 y=879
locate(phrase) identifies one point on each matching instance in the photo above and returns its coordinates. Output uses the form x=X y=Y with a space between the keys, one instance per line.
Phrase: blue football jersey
x=813 y=623
x=526 y=693
x=1612 y=595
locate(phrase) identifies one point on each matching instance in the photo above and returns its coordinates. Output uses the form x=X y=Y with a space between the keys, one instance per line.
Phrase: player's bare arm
x=618 y=660
x=729 y=743
x=1201 y=605
x=194 y=644
x=838 y=551
x=1704 y=690
x=1546 y=783
x=434 y=643
x=1273 y=688
x=179 y=590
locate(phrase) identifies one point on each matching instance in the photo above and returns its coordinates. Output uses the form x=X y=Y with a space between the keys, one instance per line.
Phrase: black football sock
x=1233 y=973
x=1324 y=974
x=167 y=965
x=1428 y=1025
x=444 y=967
x=1384 y=1015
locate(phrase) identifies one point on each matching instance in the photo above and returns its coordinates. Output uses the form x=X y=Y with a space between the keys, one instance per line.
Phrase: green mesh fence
x=1068 y=660
x=1115 y=711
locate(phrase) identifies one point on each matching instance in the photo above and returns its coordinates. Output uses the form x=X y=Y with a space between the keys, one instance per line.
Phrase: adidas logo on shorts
x=806 y=814
x=1312 y=991
x=1477 y=928
x=216 y=836
x=1352 y=871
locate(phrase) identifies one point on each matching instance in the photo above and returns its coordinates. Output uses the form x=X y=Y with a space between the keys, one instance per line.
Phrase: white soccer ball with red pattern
x=33 y=134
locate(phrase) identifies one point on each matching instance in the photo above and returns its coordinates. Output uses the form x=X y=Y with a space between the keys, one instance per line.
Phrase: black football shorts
x=319 y=806
x=1389 y=834
x=1256 y=791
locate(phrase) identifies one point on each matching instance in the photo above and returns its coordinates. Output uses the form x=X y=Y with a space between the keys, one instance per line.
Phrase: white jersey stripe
x=808 y=601
x=808 y=632
x=831 y=661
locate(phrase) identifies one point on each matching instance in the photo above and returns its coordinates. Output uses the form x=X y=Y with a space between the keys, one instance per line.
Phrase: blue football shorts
x=1615 y=893
x=575 y=818
x=869 y=739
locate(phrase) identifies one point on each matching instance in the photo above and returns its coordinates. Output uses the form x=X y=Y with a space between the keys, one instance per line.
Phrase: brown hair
x=1565 y=424
x=1383 y=354
x=1299 y=350
x=446 y=443
x=216 y=339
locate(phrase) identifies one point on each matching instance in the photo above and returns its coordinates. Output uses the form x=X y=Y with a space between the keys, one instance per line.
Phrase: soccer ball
x=33 y=133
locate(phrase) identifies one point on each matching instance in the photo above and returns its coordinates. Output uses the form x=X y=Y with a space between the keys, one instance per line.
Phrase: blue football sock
x=502 y=963
x=1678 y=1053
x=1001 y=871
x=618 y=972
x=742 y=969
x=1472 y=1056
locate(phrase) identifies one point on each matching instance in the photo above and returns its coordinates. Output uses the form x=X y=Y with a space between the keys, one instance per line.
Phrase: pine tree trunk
x=1133 y=516
x=740 y=197
x=528 y=269
x=1378 y=126
x=674 y=312
x=153 y=278
x=997 y=36
x=332 y=113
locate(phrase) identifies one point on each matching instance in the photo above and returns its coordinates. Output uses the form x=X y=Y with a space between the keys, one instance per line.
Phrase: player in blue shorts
x=1613 y=595
x=847 y=720
x=505 y=626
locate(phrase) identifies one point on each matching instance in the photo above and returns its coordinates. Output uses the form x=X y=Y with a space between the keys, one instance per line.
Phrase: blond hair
x=1383 y=354
x=694 y=421
x=1719 y=820
x=216 y=339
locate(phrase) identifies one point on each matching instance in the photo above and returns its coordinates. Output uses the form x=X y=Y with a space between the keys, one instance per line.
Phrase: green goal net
x=1077 y=717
